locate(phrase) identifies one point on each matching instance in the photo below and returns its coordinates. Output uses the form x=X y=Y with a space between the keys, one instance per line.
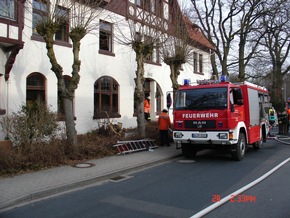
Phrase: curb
x=78 y=184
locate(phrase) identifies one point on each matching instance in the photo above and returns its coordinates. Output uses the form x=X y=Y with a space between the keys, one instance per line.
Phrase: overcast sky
x=184 y=2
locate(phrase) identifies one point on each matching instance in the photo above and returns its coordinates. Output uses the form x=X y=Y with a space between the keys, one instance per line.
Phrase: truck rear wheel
x=238 y=150
x=257 y=145
x=188 y=150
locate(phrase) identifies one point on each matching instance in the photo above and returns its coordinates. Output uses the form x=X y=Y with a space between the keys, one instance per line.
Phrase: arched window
x=106 y=98
x=35 y=89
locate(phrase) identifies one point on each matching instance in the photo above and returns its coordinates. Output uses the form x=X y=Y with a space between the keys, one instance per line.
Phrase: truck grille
x=200 y=124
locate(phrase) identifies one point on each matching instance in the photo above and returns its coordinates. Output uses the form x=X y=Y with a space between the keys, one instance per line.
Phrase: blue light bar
x=186 y=81
x=224 y=78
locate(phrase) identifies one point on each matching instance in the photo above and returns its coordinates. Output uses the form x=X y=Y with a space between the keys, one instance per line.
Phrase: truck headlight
x=178 y=135
x=223 y=136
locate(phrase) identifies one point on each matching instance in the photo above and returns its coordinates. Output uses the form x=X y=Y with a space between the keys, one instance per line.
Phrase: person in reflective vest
x=272 y=116
x=163 y=125
x=147 y=108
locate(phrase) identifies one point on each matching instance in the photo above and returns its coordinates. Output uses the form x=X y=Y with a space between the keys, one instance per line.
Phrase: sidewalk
x=31 y=186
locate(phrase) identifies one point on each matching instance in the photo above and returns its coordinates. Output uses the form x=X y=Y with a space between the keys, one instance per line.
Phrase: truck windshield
x=202 y=99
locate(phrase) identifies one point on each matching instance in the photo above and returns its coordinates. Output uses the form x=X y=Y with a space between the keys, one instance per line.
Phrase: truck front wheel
x=188 y=150
x=238 y=150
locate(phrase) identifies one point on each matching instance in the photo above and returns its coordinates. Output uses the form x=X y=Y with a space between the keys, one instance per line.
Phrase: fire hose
x=282 y=138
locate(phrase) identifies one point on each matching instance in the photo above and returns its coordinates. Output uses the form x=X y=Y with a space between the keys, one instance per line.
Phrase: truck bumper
x=203 y=138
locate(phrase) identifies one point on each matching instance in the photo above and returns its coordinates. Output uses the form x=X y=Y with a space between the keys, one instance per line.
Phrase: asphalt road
x=182 y=188
x=270 y=198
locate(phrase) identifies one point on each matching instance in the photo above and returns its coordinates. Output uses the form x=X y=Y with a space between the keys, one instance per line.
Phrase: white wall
x=33 y=58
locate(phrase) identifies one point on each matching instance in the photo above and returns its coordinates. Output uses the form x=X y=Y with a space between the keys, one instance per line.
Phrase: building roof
x=196 y=35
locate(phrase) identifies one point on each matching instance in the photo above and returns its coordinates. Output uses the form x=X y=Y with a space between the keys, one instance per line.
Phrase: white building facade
x=107 y=66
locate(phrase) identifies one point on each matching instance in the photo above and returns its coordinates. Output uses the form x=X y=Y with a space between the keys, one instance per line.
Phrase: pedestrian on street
x=164 y=125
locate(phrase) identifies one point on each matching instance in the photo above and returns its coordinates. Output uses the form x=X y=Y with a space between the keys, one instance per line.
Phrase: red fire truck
x=216 y=115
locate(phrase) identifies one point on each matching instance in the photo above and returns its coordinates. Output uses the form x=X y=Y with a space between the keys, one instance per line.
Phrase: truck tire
x=238 y=150
x=257 y=145
x=188 y=150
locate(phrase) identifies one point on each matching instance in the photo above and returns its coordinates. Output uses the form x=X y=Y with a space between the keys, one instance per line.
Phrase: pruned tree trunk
x=76 y=35
x=66 y=92
x=215 y=73
x=69 y=122
x=277 y=91
x=139 y=94
x=80 y=19
x=174 y=73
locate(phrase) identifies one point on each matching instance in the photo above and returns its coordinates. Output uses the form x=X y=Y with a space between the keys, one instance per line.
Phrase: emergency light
x=186 y=81
x=224 y=78
x=207 y=81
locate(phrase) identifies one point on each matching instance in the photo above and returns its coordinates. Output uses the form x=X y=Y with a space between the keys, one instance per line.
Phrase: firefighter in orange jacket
x=147 y=108
x=163 y=125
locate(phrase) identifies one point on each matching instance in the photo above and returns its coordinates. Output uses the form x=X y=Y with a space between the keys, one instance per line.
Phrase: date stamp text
x=236 y=198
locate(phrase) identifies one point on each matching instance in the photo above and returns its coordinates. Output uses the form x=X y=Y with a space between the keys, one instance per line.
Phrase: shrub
x=50 y=153
x=31 y=125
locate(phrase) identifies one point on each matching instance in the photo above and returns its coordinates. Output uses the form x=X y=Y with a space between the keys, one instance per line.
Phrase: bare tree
x=145 y=36
x=251 y=12
x=177 y=48
x=80 y=16
x=276 y=43
x=228 y=26
x=217 y=26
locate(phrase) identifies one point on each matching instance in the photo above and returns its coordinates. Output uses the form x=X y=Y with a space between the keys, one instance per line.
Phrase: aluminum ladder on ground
x=125 y=147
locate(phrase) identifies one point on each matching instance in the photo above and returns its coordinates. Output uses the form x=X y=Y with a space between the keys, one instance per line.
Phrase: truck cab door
x=236 y=104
